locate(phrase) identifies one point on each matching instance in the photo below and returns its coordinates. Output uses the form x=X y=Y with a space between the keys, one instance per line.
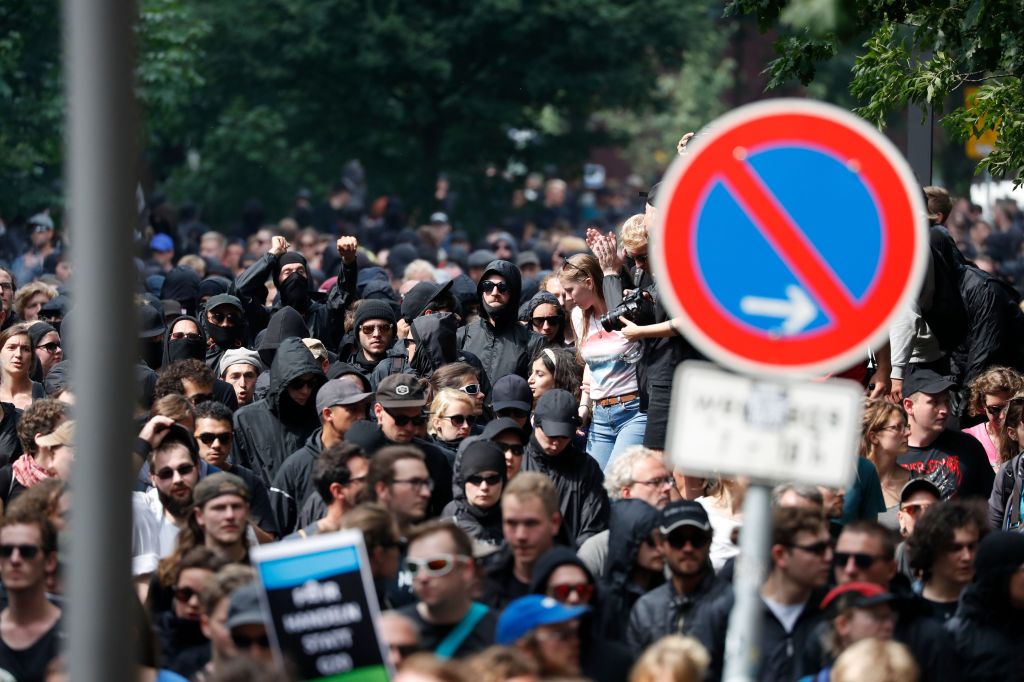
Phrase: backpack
x=947 y=315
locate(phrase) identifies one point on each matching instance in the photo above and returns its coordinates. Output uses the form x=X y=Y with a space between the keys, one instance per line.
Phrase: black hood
x=987 y=598
x=292 y=360
x=182 y=285
x=549 y=561
x=436 y=343
x=199 y=350
x=630 y=521
x=507 y=316
x=284 y=323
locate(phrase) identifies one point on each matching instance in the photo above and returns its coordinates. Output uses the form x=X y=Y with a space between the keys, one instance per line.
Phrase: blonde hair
x=872 y=660
x=27 y=292
x=633 y=233
x=672 y=659
x=537 y=485
x=196 y=263
x=419 y=270
x=442 y=401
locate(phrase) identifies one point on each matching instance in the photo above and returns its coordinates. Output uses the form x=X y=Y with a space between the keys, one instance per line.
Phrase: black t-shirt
x=956 y=463
x=431 y=635
x=941 y=611
x=10 y=444
x=29 y=665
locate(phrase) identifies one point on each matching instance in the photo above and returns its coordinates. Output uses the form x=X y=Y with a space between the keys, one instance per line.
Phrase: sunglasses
x=27 y=552
x=244 y=642
x=208 y=438
x=860 y=560
x=640 y=258
x=583 y=591
x=513 y=413
x=369 y=329
x=184 y=594
x=515 y=448
x=191 y=336
x=476 y=479
x=435 y=566
x=404 y=650
x=470 y=389
x=221 y=318
x=201 y=398
x=183 y=470
x=460 y=420
x=553 y=320
x=996 y=410
x=681 y=538
x=816 y=548
x=488 y=286
x=50 y=348
x=402 y=420
x=41 y=228
x=299 y=384
x=915 y=509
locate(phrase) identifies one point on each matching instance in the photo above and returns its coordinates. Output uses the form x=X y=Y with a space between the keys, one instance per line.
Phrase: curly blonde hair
x=997 y=379
x=633 y=233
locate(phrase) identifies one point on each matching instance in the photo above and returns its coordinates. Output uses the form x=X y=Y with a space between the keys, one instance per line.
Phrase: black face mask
x=295 y=292
x=186 y=349
x=151 y=353
x=226 y=338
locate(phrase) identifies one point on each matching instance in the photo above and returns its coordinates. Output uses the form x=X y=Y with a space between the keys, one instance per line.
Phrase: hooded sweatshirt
x=435 y=337
x=270 y=429
x=284 y=323
x=630 y=522
x=182 y=285
x=483 y=525
x=504 y=346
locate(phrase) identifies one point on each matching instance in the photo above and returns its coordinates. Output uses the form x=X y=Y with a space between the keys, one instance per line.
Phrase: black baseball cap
x=683 y=513
x=224 y=299
x=917 y=485
x=420 y=297
x=401 y=390
x=920 y=380
x=556 y=414
x=511 y=391
x=496 y=427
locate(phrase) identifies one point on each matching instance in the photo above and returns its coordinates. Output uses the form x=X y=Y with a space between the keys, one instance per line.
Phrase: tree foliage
x=917 y=51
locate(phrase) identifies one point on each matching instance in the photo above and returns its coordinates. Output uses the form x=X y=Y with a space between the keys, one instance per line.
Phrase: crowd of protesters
x=491 y=414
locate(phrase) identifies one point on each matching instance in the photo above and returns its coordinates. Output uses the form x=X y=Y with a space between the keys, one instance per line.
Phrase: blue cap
x=526 y=613
x=161 y=242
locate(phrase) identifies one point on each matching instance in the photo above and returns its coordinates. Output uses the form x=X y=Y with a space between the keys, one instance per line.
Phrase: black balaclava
x=294 y=291
x=151 y=352
x=184 y=349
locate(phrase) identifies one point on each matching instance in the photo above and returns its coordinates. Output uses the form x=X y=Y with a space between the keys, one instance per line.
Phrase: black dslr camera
x=637 y=307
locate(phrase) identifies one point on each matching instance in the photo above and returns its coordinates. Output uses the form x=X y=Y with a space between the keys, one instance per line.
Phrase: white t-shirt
x=787 y=614
x=722 y=527
x=610 y=375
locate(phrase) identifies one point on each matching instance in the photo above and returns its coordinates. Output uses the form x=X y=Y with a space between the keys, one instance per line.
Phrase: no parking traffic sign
x=787 y=238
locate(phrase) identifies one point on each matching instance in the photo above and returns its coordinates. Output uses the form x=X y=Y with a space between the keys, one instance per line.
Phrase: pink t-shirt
x=980 y=433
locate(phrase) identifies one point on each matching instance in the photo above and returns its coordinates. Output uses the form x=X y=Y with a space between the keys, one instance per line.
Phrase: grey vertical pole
x=920 y=136
x=743 y=639
x=101 y=157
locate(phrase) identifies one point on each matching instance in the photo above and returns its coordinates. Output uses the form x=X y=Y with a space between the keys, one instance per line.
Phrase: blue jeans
x=613 y=429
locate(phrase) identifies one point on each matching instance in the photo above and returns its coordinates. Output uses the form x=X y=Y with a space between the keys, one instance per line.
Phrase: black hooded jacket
x=504 y=347
x=577 y=476
x=270 y=429
x=483 y=525
x=629 y=524
x=184 y=349
x=293 y=483
x=284 y=323
x=181 y=284
x=435 y=337
x=987 y=629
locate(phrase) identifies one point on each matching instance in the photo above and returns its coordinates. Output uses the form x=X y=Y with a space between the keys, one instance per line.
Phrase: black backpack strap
x=1013 y=519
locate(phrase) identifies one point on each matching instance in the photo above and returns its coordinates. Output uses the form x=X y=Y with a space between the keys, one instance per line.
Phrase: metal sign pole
x=101 y=159
x=743 y=638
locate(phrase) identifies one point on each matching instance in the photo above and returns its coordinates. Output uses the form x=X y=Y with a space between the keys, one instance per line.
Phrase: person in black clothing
x=371 y=336
x=339 y=478
x=634 y=565
x=576 y=475
x=942 y=548
x=267 y=431
x=544 y=315
x=450 y=623
x=801 y=557
x=181 y=284
x=479 y=483
x=226 y=326
x=284 y=322
x=503 y=345
x=989 y=621
x=954 y=461
x=685 y=543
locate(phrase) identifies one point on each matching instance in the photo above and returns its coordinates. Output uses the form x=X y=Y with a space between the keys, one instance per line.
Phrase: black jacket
x=184 y=349
x=293 y=483
x=995 y=325
x=629 y=524
x=780 y=660
x=483 y=525
x=269 y=430
x=580 y=483
x=505 y=347
x=663 y=611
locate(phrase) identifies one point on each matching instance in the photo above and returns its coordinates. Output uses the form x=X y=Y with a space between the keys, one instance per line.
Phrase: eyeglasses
x=488 y=286
x=470 y=389
x=996 y=410
x=221 y=318
x=201 y=398
x=678 y=539
x=245 y=642
x=583 y=591
x=860 y=560
x=513 y=413
x=917 y=508
x=660 y=482
x=183 y=470
x=460 y=420
x=817 y=548
x=6 y=286
x=476 y=479
x=300 y=383
x=370 y=329
x=435 y=566
x=402 y=420
x=553 y=320
x=208 y=438
x=896 y=428
x=191 y=336
x=50 y=348
x=185 y=594
x=416 y=483
x=27 y=552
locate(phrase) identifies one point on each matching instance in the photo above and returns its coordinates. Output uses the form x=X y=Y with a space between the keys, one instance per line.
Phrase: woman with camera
x=611 y=393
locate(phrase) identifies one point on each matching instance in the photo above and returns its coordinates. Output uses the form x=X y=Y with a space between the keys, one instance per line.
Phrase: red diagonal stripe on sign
x=789 y=241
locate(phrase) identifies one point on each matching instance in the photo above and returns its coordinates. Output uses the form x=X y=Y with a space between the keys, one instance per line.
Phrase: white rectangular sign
x=771 y=431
